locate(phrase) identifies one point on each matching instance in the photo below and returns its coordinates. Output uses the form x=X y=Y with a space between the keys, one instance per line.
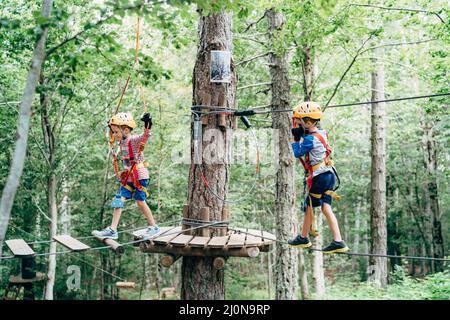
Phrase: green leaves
x=9 y=24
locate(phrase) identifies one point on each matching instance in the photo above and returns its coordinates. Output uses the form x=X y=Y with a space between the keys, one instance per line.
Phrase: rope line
x=348 y=253
x=221 y=224
x=254 y=111
x=122 y=231
x=166 y=233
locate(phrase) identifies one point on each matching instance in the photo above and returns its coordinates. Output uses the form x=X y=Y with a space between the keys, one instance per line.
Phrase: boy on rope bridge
x=320 y=174
x=134 y=178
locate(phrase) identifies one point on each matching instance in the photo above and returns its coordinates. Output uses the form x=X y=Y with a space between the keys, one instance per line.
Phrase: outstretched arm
x=137 y=140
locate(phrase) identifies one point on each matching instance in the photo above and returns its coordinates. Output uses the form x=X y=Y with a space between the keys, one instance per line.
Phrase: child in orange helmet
x=134 y=178
x=313 y=152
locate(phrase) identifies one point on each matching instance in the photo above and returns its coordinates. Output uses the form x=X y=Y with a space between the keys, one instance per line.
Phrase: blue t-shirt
x=315 y=148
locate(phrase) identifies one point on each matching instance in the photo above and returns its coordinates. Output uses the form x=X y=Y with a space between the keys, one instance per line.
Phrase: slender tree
x=378 y=265
x=18 y=160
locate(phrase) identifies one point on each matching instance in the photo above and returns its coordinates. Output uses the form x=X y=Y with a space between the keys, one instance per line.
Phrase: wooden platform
x=19 y=280
x=19 y=248
x=241 y=243
x=71 y=243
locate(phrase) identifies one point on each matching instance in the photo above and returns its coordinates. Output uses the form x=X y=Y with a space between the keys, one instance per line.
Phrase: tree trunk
x=286 y=282
x=318 y=272
x=303 y=275
x=17 y=163
x=269 y=275
x=317 y=263
x=64 y=207
x=364 y=261
x=430 y=189
x=53 y=213
x=378 y=265
x=200 y=280
x=357 y=238
x=308 y=72
x=49 y=142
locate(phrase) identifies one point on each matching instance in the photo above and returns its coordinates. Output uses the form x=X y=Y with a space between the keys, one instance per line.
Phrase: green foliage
x=404 y=287
x=90 y=52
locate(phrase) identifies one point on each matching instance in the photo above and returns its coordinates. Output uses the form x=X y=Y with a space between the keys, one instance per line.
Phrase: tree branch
x=252 y=58
x=255 y=85
x=76 y=35
x=397 y=9
x=264 y=43
x=39 y=147
x=96 y=24
x=396 y=44
x=253 y=23
x=347 y=70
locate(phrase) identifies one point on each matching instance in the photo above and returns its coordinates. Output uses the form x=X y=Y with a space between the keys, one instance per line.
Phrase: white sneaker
x=151 y=232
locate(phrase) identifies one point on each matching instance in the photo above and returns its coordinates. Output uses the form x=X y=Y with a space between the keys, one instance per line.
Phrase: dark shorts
x=320 y=184
x=138 y=195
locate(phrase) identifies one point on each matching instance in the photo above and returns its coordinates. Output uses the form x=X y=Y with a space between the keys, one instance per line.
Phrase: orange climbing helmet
x=123 y=119
x=308 y=109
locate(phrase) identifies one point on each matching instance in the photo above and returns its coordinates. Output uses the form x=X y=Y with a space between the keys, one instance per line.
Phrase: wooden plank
x=125 y=285
x=236 y=240
x=71 y=243
x=138 y=233
x=199 y=242
x=265 y=237
x=165 y=238
x=18 y=279
x=252 y=241
x=19 y=247
x=268 y=237
x=181 y=240
x=217 y=242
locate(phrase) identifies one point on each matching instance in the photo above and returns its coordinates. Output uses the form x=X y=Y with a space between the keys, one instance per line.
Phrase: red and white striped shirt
x=139 y=157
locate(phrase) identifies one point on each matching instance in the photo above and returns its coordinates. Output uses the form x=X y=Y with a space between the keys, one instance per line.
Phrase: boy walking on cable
x=321 y=174
x=134 y=178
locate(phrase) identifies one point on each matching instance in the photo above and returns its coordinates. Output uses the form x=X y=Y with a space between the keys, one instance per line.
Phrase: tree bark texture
x=286 y=269
x=378 y=265
x=318 y=271
x=200 y=281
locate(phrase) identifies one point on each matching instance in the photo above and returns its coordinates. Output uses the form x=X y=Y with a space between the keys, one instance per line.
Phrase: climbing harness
x=313 y=110
x=121 y=119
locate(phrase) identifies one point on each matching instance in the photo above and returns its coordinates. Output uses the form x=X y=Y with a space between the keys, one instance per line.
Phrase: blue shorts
x=321 y=183
x=138 y=195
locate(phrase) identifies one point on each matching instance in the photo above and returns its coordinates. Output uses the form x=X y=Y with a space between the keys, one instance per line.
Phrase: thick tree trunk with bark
x=200 y=281
x=285 y=214
x=17 y=163
x=378 y=265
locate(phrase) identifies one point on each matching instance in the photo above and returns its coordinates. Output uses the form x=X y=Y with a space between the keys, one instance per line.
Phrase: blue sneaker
x=300 y=242
x=335 y=247
x=106 y=233
x=151 y=232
